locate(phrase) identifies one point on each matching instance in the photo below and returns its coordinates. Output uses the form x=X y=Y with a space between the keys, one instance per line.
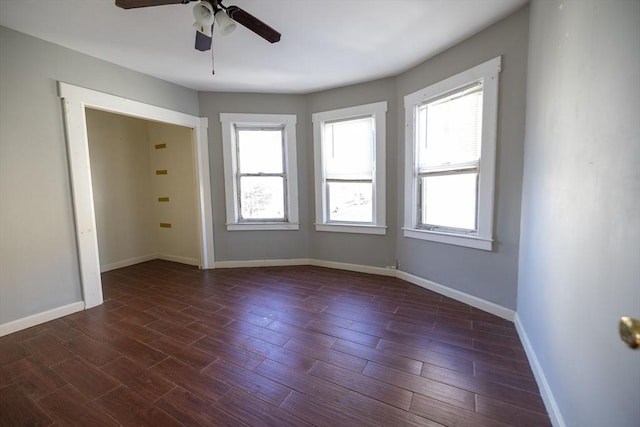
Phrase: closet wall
x=143 y=189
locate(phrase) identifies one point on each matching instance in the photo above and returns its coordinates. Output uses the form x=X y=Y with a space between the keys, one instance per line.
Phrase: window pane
x=450 y=200
x=262 y=197
x=350 y=202
x=347 y=148
x=450 y=129
x=260 y=150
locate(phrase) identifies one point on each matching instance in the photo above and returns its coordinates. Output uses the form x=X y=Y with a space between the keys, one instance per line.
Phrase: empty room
x=320 y=212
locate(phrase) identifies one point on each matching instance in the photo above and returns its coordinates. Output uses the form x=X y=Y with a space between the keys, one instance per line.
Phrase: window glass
x=260 y=151
x=449 y=200
x=347 y=147
x=350 y=201
x=262 y=197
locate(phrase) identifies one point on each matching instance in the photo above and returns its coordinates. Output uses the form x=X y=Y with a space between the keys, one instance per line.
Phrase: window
x=260 y=171
x=450 y=158
x=349 y=147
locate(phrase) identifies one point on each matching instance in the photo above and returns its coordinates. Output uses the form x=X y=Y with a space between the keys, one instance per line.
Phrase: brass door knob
x=630 y=331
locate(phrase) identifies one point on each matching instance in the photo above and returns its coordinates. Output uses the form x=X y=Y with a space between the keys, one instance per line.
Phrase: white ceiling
x=325 y=43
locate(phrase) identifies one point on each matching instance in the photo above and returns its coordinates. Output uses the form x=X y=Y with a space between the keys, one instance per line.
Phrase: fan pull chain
x=213 y=68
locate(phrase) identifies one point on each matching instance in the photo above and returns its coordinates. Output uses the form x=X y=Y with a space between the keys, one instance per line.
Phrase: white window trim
x=378 y=111
x=488 y=72
x=229 y=120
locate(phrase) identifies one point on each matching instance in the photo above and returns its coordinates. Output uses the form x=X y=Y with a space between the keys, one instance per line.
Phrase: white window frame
x=229 y=147
x=487 y=72
x=377 y=111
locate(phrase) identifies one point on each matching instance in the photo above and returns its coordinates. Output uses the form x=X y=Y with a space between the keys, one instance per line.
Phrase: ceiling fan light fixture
x=203 y=13
x=224 y=23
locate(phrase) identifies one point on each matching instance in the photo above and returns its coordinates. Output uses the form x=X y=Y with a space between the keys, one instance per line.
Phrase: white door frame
x=75 y=100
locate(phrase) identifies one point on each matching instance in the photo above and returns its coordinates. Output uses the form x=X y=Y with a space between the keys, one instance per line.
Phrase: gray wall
x=363 y=249
x=580 y=245
x=256 y=245
x=488 y=275
x=38 y=254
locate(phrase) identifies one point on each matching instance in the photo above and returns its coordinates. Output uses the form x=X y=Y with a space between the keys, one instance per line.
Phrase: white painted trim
x=352 y=228
x=75 y=100
x=380 y=271
x=549 y=400
x=457 y=295
x=229 y=120
x=127 y=262
x=203 y=183
x=82 y=190
x=489 y=73
x=180 y=259
x=378 y=111
x=38 y=318
x=452 y=239
x=250 y=226
x=263 y=263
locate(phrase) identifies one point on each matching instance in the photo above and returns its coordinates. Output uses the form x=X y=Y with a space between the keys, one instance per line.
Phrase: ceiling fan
x=208 y=12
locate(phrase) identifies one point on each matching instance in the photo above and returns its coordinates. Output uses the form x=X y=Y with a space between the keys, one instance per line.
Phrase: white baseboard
x=263 y=263
x=380 y=271
x=38 y=318
x=545 y=390
x=180 y=259
x=127 y=262
x=457 y=295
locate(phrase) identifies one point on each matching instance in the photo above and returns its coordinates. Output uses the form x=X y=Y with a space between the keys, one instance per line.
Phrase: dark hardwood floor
x=276 y=346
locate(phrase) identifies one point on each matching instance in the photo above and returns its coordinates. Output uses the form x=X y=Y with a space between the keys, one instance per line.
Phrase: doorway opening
x=75 y=102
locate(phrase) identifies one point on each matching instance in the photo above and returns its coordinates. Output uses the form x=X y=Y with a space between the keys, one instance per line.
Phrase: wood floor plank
x=91 y=350
x=510 y=414
x=70 y=407
x=190 y=410
x=380 y=356
x=434 y=358
x=16 y=409
x=191 y=356
x=47 y=350
x=382 y=414
x=297 y=345
x=368 y=386
x=191 y=379
x=260 y=386
x=256 y=412
x=333 y=357
x=137 y=351
x=130 y=408
x=322 y=389
x=450 y=415
x=308 y=408
x=437 y=390
x=478 y=385
x=90 y=381
x=146 y=383
x=37 y=380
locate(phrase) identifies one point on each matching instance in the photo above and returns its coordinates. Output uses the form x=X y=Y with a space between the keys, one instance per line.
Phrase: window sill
x=254 y=226
x=352 y=228
x=451 y=239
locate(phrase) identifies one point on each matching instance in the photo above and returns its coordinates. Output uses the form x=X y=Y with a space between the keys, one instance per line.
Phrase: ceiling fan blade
x=254 y=24
x=131 y=4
